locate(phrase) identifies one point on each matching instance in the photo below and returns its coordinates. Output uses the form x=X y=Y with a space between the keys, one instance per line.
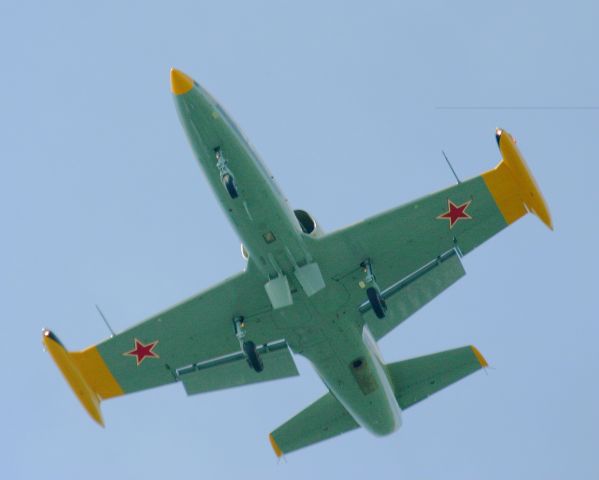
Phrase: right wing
x=153 y=352
x=413 y=380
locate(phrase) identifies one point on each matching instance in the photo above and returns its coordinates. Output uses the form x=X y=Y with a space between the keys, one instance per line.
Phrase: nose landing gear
x=229 y=184
x=373 y=292
x=226 y=177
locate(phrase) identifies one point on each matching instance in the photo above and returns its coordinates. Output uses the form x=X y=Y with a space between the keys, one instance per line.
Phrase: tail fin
x=512 y=185
x=86 y=373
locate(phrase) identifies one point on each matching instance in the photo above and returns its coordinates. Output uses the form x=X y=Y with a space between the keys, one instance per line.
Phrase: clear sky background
x=102 y=202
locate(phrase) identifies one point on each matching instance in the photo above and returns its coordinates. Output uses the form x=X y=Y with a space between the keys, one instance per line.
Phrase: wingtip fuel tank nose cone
x=498 y=132
x=180 y=83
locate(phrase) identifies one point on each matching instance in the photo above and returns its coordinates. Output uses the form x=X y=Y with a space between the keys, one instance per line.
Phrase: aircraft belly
x=331 y=299
x=355 y=376
x=317 y=327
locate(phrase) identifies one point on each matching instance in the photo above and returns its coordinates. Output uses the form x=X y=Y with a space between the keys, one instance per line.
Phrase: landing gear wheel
x=376 y=301
x=229 y=185
x=249 y=348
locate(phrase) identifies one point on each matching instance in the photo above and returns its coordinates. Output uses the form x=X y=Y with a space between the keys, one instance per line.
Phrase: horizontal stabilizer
x=324 y=419
x=418 y=378
x=234 y=371
x=413 y=380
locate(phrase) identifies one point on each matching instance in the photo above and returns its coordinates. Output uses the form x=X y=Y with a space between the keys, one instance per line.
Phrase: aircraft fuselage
x=341 y=350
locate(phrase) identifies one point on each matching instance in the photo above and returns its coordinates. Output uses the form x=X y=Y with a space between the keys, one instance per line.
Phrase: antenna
x=105 y=321
x=451 y=167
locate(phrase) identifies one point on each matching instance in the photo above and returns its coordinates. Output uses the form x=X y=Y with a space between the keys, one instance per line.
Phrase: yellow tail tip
x=479 y=357
x=180 y=83
x=275 y=447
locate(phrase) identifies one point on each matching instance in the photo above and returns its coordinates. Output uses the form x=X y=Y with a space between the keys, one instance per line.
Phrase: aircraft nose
x=180 y=83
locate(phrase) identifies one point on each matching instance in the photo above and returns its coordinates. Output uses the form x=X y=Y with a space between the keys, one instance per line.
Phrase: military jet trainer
x=327 y=297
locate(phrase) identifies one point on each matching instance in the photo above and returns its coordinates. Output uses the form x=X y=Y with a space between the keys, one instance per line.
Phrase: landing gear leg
x=373 y=292
x=226 y=177
x=247 y=347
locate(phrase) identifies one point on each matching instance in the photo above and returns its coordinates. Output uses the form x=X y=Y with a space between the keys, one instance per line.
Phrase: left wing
x=153 y=352
x=401 y=242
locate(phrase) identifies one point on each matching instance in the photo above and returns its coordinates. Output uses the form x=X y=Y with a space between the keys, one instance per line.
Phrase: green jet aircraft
x=326 y=297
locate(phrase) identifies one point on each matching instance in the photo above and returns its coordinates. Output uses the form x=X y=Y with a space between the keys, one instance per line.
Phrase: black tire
x=254 y=360
x=376 y=302
x=230 y=186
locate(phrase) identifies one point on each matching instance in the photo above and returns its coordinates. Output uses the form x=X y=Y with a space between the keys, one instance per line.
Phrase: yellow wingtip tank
x=88 y=398
x=512 y=172
x=86 y=373
x=180 y=83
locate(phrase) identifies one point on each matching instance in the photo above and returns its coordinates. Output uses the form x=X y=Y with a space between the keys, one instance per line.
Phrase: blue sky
x=102 y=202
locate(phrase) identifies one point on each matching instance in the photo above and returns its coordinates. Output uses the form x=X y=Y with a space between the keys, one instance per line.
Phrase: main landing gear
x=373 y=292
x=226 y=177
x=247 y=347
x=254 y=360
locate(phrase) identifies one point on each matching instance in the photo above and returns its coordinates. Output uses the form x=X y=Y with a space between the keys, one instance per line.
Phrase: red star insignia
x=455 y=212
x=141 y=351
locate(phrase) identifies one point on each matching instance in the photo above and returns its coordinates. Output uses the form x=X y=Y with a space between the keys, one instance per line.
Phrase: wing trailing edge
x=232 y=370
